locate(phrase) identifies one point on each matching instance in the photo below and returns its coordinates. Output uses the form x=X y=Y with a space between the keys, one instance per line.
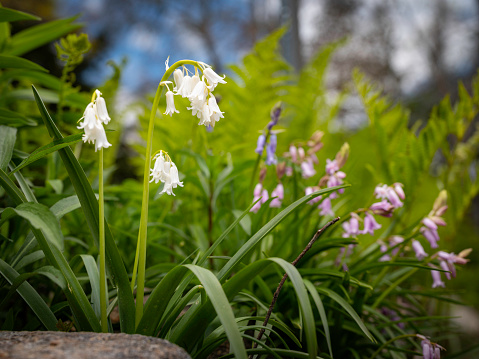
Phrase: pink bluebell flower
x=418 y=249
x=430 y=350
x=370 y=224
x=278 y=192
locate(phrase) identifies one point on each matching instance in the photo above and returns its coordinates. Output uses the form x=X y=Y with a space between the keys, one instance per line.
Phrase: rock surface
x=55 y=345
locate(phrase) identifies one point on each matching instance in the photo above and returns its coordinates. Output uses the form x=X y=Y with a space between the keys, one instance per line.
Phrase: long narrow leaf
x=8 y=135
x=90 y=209
x=31 y=297
x=347 y=307
x=47 y=149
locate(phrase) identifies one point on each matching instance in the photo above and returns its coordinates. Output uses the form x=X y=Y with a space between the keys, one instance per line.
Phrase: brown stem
x=276 y=294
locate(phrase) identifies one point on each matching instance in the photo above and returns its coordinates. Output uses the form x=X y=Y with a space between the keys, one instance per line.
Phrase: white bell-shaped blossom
x=199 y=92
x=184 y=90
x=93 y=127
x=101 y=110
x=165 y=171
x=178 y=76
x=97 y=136
x=213 y=78
x=216 y=113
x=205 y=115
x=170 y=104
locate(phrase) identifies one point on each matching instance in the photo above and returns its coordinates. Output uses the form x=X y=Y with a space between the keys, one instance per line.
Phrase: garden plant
x=250 y=219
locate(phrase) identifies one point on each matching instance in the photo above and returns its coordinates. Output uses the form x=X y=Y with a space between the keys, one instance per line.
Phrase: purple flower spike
x=351 y=228
x=419 y=250
x=370 y=224
x=274 y=118
x=257 y=194
x=270 y=155
x=260 y=144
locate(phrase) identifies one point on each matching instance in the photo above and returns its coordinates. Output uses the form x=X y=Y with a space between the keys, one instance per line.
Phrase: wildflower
x=326 y=208
x=436 y=277
x=212 y=77
x=260 y=144
x=307 y=169
x=198 y=94
x=430 y=350
x=293 y=152
x=259 y=192
x=351 y=227
x=178 y=76
x=393 y=242
x=278 y=192
x=184 y=90
x=271 y=150
x=393 y=193
x=100 y=105
x=447 y=261
x=418 y=249
x=165 y=171
x=370 y=224
x=216 y=113
x=331 y=167
x=275 y=113
x=383 y=208
x=92 y=123
x=309 y=190
x=394 y=198
x=431 y=235
x=170 y=104
x=434 y=219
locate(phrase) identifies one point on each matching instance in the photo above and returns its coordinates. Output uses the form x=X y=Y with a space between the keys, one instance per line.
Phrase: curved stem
x=103 y=301
x=389 y=342
x=142 y=234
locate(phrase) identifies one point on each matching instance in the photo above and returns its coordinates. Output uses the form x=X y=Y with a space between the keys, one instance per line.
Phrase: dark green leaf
x=8 y=136
x=10 y=15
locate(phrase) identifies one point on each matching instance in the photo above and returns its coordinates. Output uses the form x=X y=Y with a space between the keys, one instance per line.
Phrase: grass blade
x=47 y=149
x=8 y=135
x=31 y=297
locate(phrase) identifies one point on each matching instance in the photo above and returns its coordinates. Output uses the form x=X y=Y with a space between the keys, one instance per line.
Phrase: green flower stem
x=103 y=294
x=389 y=342
x=142 y=234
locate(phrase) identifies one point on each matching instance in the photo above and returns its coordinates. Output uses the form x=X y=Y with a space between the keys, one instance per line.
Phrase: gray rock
x=82 y=345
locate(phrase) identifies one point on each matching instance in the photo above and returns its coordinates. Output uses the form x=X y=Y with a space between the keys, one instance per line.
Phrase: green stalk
x=103 y=304
x=142 y=234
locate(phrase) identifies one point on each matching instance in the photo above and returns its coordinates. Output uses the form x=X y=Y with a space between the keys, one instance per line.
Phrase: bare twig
x=276 y=294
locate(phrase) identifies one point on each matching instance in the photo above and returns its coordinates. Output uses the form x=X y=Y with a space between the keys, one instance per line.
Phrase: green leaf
x=89 y=205
x=65 y=205
x=15 y=119
x=79 y=304
x=248 y=246
x=47 y=149
x=10 y=15
x=94 y=276
x=222 y=307
x=8 y=135
x=31 y=297
x=40 y=217
x=39 y=35
x=322 y=313
x=347 y=307
x=15 y=62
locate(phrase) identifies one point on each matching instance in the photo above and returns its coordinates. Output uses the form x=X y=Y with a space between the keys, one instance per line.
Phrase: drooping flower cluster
x=199 y=92
x=430 y=350
x=165 y=171
x=94 y=117
x=447 y=261
x=259 y=192
x=390 y=196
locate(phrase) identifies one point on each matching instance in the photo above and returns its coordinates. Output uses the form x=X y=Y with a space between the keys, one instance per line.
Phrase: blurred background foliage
x=393 y=111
